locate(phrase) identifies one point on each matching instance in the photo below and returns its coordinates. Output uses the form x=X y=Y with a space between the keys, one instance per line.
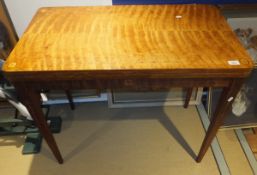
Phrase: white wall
x=22 y=11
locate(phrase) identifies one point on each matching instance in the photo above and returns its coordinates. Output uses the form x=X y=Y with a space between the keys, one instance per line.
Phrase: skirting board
x=177 y=102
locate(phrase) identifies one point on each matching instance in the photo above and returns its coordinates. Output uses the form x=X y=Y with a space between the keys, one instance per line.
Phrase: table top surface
x=171 y=38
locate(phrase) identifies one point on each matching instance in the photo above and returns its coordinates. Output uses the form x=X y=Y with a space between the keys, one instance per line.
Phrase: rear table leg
x=70 y=99
x=188 y=96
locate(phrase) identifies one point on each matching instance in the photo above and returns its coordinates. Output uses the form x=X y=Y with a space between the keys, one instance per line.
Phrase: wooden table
x=148 y=47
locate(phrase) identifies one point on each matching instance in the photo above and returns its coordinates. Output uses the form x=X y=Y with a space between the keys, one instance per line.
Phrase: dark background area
x=182 y=1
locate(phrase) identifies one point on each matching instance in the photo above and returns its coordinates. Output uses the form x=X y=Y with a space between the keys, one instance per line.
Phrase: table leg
x=188 y=96
x=31 y=99
x=70 y=99
x=227 y=97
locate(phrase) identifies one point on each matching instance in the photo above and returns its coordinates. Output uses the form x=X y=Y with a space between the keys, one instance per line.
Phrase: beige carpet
x=96 y=140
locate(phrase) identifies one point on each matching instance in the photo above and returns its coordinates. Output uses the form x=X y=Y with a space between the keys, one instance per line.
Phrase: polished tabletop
x=145 y=47
x=175 y=39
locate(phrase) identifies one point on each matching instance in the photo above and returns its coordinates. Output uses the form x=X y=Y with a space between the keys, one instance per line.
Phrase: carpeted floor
x=96 y=140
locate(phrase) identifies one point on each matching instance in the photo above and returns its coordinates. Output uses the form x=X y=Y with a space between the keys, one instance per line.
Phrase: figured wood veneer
x=128 y=47
x=128 y=41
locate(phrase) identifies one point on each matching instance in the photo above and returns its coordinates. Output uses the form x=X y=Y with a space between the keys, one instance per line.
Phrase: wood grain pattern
x=127 y=39
x=128 y=47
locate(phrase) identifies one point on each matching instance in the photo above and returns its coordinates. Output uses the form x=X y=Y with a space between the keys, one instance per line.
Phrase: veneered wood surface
x=143 y=40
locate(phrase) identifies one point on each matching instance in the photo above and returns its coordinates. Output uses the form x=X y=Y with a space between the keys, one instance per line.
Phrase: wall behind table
x=22 y=11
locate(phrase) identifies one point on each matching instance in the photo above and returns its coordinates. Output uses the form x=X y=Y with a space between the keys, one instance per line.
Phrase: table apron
x=126 y=84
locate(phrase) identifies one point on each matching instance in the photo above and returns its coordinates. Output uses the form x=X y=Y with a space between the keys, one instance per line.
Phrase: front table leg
x=226 y=99
x=31 y=99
